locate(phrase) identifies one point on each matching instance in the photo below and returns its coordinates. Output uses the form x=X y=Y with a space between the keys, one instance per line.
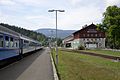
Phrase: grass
x=73 y=66
x=107 y=52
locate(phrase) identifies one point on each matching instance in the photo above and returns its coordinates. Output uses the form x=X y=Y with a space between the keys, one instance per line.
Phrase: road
x=34 y=67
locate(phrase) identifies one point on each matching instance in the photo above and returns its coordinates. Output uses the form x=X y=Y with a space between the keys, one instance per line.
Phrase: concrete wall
x=76 y=43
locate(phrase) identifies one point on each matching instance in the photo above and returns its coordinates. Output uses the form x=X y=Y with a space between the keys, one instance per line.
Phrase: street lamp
x=56 y=31
x=51 y=38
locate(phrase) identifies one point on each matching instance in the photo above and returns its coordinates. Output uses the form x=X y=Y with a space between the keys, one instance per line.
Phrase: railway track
x=94 y=54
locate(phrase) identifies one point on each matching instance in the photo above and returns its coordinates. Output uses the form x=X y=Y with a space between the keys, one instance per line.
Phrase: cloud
x=112 y=2
x=79 y=17
x=33 y=14
x=36 y=17
x=85 y=3
x=32 y=2
x=74 y=2
x=41 y=21
x=7 y=2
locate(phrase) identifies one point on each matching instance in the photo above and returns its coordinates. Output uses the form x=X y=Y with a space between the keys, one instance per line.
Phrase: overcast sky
x=33 y=14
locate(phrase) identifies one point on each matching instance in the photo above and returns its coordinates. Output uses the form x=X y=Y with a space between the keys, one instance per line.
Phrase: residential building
x=89 y=37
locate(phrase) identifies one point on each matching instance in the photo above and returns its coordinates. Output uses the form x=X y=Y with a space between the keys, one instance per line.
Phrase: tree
x=59 y=42
x=114 y=33
x=111 y=16
x=111 y=25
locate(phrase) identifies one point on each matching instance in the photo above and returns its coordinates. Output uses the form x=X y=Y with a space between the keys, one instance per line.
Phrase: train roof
x=28 y=39
x=8 y=31
x=11 y=32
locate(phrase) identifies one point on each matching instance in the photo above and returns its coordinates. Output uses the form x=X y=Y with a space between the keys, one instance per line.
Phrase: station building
x=88 y=36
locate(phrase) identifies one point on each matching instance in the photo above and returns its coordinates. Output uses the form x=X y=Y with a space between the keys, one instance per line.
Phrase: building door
x=68 y=45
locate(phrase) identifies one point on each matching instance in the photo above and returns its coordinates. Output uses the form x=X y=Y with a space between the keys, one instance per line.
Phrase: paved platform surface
x=34 y=67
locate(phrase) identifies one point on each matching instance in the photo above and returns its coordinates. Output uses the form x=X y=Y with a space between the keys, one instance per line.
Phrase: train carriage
x=9 y=43
x=28 y=44
x=14 y=45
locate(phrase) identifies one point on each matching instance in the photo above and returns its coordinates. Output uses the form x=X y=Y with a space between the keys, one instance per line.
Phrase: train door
x=21 y=46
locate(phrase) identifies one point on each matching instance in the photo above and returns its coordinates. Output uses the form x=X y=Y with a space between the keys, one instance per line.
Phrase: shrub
x=81 y=47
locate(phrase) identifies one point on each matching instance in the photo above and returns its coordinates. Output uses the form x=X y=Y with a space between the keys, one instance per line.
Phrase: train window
x=1 y=41
x=11 y=42
x=16 y=43
x=25 y=41
x=6 y=38
x=11 y=39
x=31 y=44
x=6 y=41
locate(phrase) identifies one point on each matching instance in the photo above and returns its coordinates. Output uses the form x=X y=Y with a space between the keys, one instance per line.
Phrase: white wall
x=77 y=42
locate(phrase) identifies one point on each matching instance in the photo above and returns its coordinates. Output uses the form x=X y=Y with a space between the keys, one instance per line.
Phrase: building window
x=87 y=39
x=91 y=31
x=83 y=35
x=1 y=41
x=88 y=35
x=91 y=39
x=91 y=35
x=95 y=35
x=99 y=39
x=95 y=39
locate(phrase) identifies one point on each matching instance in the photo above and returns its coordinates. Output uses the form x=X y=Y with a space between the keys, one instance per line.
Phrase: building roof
x=91 y=25
x=68 y=38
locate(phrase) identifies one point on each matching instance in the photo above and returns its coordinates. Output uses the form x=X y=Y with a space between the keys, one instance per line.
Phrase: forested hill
x=52 y=32
x=32 y=34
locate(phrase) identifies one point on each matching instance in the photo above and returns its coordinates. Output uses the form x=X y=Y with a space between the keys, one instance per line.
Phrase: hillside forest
x=32 y=34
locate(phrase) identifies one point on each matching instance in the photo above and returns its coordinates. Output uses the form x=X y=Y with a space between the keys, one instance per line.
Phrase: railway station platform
x=36 y=66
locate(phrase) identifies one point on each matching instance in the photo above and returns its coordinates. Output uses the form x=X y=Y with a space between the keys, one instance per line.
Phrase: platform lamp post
x=56 y=31
x=51 y=38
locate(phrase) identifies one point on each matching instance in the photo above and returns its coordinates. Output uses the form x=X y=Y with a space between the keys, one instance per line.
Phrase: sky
x=33 y=14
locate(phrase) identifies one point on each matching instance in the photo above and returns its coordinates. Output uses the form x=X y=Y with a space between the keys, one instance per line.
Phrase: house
x=88 y=36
